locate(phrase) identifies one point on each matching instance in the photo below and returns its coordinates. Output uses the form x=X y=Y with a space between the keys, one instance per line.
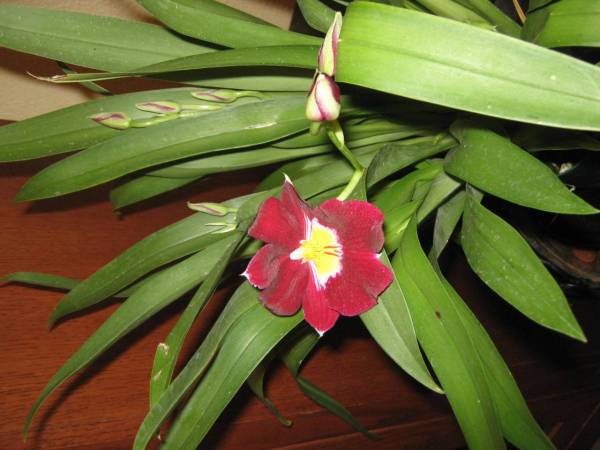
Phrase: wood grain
x=102 y=407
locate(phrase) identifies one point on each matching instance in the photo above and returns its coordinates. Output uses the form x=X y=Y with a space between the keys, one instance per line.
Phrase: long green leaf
x=446 y=220
x=506 y=263
x=145 y=187
x=115 y=45
x=440 y=189
x=168 y=351
x=396 y=156
x=391 y=325
x=184 y=16
x=447 y=345
x=495 y=165
x=518 y=425
x=568 y=23
x=230 y=161
x=240 y=126
x=88 y=40
x=162 y=247
x=318 y=15
x=47 y=280
x=494 y=15
x=256 y=383
x=242 y=301
x=456 y=11
x=452 y=64
x=243 y=348
x=535 y=4
x=170 y=285
x=288 y=56
x=41 y=280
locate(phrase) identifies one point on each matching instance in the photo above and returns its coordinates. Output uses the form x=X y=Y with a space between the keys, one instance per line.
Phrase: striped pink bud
x=328 y=50
x=117 y=120
x=323 y=103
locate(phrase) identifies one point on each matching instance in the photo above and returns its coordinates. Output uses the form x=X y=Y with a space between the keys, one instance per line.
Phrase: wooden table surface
x=102 y=407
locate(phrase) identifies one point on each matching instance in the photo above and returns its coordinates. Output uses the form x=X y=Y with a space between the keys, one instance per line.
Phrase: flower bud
x=323 y=103
x=328 y=50
x=159 y=107
x=213 y=209
x=117 y=120
x=223 y=95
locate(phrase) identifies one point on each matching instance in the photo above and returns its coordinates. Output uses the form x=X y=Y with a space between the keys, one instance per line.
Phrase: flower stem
x=356 y=177
x=336 y=135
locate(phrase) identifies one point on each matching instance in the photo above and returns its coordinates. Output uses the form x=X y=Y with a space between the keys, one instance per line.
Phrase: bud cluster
x=166 y=110
x=323 y=103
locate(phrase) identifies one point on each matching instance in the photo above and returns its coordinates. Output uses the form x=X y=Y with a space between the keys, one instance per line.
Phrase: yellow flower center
x=321 y=250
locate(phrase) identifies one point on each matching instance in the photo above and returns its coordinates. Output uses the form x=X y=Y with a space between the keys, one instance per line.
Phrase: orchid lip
x=322 y=250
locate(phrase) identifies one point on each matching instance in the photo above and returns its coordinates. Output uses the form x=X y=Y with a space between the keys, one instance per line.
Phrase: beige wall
x=23 y=96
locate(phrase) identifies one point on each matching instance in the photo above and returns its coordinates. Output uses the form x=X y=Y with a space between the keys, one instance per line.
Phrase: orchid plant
x=402 y=113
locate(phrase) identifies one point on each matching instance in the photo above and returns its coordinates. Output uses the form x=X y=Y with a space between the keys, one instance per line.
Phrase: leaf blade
x=491 y=163
x=506 y=263
x=428 y=65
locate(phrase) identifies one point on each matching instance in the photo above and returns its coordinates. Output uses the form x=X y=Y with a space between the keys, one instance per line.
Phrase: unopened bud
x=159 y=107
x=213 y=209
x=328 y=50
x=117 y=120
x=323 y=103
x=224 y=95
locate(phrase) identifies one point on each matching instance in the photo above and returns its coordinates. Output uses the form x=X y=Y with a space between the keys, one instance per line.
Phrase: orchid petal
x=263 y=268
x=316 y=312
x=285 y=294
x=356 y=289
x=357 y=223
x=277 y=225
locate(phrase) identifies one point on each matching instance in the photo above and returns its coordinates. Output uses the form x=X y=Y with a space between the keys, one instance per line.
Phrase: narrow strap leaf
x=446 y=219
x=168 y=351
x=518 y=425
x=219 y=25
x=302 y=342
x=241 y=302
x=256 y=382
x=95 y=88
x=243 y=348
x=447 y=345
x=164 y=289
x=144 y=187
x=297 y=56
x=318 y=15
x=57 y=282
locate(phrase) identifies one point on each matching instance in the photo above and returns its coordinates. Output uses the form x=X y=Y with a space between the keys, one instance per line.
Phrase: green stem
x=356 y=177
x=336 y=135
x=142 y=123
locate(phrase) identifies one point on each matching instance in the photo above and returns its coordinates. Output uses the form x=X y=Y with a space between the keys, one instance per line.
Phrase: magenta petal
x=358 y=223
x=285 y=294
x=316 y=312
x=277 y=225
x=356 y=288
x=264 y=266
x=296 y=206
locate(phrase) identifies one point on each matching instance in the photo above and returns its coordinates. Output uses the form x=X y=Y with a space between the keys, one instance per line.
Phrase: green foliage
x=464 y=67
x=504 y=261
x=424 y=162
x=568 y=23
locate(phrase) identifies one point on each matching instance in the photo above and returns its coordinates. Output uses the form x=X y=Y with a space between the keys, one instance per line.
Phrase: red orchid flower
x=324 y=260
